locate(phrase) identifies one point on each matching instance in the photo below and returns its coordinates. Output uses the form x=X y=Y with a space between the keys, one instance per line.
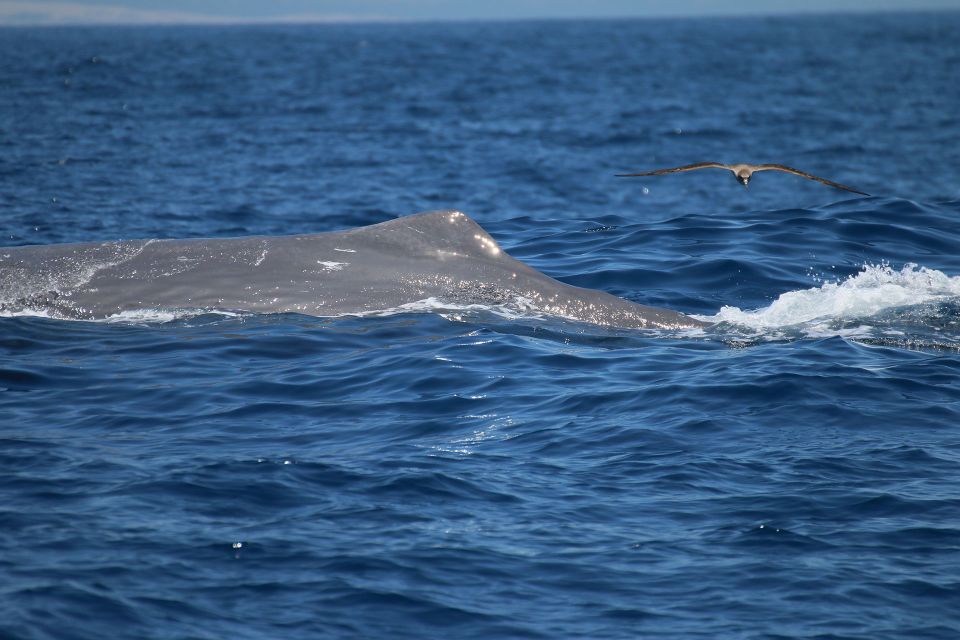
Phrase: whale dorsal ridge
x=432 y=233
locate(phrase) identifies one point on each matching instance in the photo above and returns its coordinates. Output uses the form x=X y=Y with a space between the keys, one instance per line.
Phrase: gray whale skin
x=440 y=255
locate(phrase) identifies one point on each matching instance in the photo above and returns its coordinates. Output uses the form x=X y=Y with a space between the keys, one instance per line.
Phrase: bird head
x=743 y=179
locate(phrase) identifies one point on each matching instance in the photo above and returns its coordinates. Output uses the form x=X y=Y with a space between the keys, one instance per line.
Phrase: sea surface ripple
x=790 y=472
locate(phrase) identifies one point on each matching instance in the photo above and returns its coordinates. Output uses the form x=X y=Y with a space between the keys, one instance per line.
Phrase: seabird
x=743 y=172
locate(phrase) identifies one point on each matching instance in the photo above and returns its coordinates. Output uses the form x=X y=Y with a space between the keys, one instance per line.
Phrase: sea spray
x=874 y=289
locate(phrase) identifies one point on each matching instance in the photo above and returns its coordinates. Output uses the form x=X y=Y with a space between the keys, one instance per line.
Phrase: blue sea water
x=791 y=472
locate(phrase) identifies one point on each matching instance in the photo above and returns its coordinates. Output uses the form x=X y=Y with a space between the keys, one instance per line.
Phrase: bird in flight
x=743 y=173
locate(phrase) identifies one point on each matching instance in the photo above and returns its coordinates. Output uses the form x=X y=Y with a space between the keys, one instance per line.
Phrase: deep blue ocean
x=791 y=472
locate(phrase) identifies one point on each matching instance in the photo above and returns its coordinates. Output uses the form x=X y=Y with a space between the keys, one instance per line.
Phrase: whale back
x=443 y=256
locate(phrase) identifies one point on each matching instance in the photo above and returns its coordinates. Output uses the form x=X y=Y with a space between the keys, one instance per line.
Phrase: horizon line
x=80 y=15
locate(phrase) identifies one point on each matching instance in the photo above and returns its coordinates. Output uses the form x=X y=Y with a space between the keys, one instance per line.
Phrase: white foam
x=875 y=289
x=28 y=313
x=517 y=309
x=131 y=316
x=156 y=315
x=143 y=315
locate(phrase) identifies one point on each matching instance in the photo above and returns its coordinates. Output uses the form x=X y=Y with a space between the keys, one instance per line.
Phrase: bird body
x=743 y=172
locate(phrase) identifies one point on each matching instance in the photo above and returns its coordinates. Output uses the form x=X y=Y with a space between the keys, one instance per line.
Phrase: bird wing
x=686 y=167
x=808 y=176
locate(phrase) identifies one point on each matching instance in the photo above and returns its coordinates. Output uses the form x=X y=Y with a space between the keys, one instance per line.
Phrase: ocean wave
x=876 y=289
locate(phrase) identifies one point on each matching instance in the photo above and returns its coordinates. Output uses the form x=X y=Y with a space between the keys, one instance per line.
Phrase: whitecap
x=875 y=289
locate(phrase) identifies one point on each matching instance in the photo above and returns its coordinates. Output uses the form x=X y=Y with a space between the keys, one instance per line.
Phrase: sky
x=20 y=12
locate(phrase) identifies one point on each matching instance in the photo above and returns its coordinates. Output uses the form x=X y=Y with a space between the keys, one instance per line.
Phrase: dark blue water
x=790 y=472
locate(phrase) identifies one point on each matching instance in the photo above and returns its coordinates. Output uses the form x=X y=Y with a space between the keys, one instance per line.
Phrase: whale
x=440 y=256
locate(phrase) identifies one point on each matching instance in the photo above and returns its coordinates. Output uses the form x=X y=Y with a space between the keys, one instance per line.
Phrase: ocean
x=790 y=472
